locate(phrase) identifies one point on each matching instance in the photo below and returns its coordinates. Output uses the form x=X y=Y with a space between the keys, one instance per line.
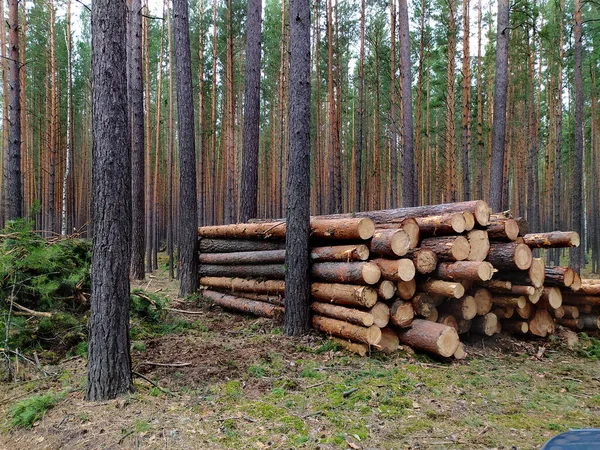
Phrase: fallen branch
x=175 y=364
x=153 y=383
x=183 y=311
x=31 y=312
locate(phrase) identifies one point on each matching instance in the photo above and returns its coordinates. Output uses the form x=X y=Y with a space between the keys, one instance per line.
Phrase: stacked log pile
x=421 y=277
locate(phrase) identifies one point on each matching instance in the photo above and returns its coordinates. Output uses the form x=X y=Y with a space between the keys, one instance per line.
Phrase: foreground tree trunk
x=500 y=93
x=109 y=360
x=251 y=112
x=188 y=241
x=136 y=120
x=297 y=283
x=14 y=191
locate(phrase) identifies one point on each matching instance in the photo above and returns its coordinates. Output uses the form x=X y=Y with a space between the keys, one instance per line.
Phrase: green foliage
x=26 y=412
x=589 y=347
x=149 y=307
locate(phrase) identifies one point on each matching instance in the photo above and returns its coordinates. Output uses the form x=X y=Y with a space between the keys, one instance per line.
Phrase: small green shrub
x=26 y=412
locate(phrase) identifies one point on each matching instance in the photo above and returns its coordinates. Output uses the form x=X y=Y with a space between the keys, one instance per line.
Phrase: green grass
x=26 y=412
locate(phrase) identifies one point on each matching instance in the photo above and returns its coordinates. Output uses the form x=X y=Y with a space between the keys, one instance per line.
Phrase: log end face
x=366 y=228
x=523 y=257
x=482 y=213
x=458 y=223
x=406 y=269
x=511 y=228
x=485 y=271
x=371 y=273
x=448 y=342
x=400 y=243
x=374 y=335
x=461 y=248
x=363 y=252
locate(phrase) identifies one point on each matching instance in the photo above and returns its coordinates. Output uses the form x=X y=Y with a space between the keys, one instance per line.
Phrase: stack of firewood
x=417 y=276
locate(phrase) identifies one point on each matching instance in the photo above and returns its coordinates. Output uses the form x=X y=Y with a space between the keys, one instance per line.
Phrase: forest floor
x=238 y=383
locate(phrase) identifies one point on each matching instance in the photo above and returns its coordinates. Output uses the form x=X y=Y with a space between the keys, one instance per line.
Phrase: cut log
x=460 y=352
x=478 y=208
x=585 y=309
x=551 y=298
x=558 y=313
x=349 y=315
x=238 y=245
x=389 y=243
x=406 y=289
x=350 y=273
x=497 y=285
x=526 y=312
x=506 y=301
x=243 y=305
x=441 y=287
x=463 y=326
x=339 y=328
x=442 y=225
x=534 y=276
x=589 y=287
x=486 y=325
x=240 y=284
x=265 y=271
x=502 y=228
x=537 y=294
x=504 y=313
x=469 y=220
x=340 y=253
x=411 y=227
x=320 y=228
x=483 y=301
x=381 y=314
x=559 y=276
x=576 y=286
x=396 y=269
x=424 y=259
x=570 y=311
x=581 y=300
x=465 y=270
x=389 y=342
x=553 y=239
x=479 y=245
x=448 y=248
x=402 y=313
x=573 y=324
x=515 y=326
x=510 y=255
x=433 y=317
x=463 y=308
x=355 y=347
x=448 y=320
x=344 y=294
x=541 y=324
x=239 y=258
x=273 y=299
x=423 y=304
x=430 y=336
x=386 y=289
x=590 y=321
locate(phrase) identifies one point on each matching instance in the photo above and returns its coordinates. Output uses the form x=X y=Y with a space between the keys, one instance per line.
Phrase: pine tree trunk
x=450 y=141
x=109 y=360
x=297 y=313
x=393 y=109
x=359 y=128
x=480 y=150
x=53 y=117
x=14 y=189
x=187 y=239
x=466 y=101
x=577 y=260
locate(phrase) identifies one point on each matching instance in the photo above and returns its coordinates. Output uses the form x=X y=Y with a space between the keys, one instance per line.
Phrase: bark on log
x=442 y=225
x=523 y=226
x=349 y=315
x=573 y=324
x=339 y=328
x=590 y=321
x=396 y=269
x=425 y=260
x=355 y=347
x=389 y=243
x=534 y=276
x=389 y=342
x=239 y=258
x=340 y=253
x=238 y=245
x=344 y=294
x=479 y=244
x=239 y=304
x=505 y=301
x=483 y=301
x=581 y=300
x=268 y=298
x=240 y=284
x=551 y=298
x=350 y=273
x=504 y=313
x=537 y=294
x=445 y=288
x=576 y=286
x=497 y=285
x=268 y=271
x=502 y=228
x=465 y=270
x=381 y=314
x=554 y=239
x=430 y=336
x=448 y=320
x=486 y=325
x=423 y=304
x=515 y=326
x=570 y=311
x=464 y=326
x=402 y=313
x=541 y=324
x=386 y=289
x=462 y=308
x=406 y=289
x=448 y=248
x=559 y=276
x=589 y=287
x=512 y=256
x=525 y=312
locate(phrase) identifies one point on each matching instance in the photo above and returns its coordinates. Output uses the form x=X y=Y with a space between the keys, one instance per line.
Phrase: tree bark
x=466 y=101
x=552 y=239
x=239 y=304
x=370 y=335
x=253 y=258
x=268 y=271
x=430 y=336
x=251 y=111
x=360 y=119
x=240 y=284
x=349 y=315
x=188 y=241
x=109 y=360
